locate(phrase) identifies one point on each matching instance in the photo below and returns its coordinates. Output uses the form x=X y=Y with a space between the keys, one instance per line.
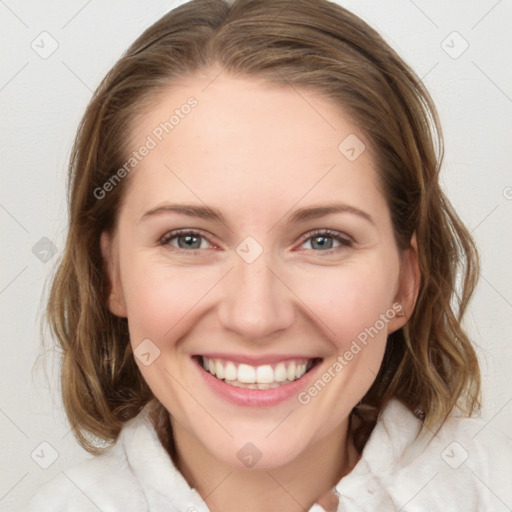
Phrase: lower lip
x=256 y=397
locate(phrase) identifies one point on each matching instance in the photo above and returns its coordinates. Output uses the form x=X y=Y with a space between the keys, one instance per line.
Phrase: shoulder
x=476 y=456
x=459 y=442
x=466 y=464
x=105 y=482
x=136 y=474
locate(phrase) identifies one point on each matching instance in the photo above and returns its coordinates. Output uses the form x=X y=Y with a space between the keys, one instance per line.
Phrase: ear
x=109 y=251
x=408 y=287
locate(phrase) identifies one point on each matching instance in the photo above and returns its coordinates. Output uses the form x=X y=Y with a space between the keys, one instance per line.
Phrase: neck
x=294 y=487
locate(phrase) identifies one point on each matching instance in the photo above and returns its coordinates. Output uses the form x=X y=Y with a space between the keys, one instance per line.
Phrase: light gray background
x=42 y=100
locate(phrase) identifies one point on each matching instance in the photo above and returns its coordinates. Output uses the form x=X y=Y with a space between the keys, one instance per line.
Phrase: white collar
x=163 y=483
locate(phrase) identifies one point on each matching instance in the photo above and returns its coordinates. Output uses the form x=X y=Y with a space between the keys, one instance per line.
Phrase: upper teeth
x=266 y=374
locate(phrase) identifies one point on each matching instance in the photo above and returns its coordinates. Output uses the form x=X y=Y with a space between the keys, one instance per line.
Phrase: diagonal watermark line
x=205 y=294
x=14 y=218
x=417 y=493
x=485 y=15
x=14 y=423
x=280 y=423
x=286 y=490
x=76 y=75
x=221 y=482
x=213 y=79
x=13 y=279
x=76 y=14
x=489 y=421
x=305 y=305
x=496 y=290
x=304 y=98
x=85 y=494
x=14 y=485
x=66 y=434
x=14 y=76
x=4 y=4
x=492 y=81
x=491 y=490
x=301 y=198
x=424 y=14
x=65 y=227
x=198 y=402
x=485 y=218
x=227 y=227
x=428 y=72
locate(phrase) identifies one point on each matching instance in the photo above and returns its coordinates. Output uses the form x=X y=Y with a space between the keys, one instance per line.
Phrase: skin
x=256 y=152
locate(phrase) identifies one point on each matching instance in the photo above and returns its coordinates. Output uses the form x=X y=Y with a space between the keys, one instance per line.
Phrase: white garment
x=466 y=467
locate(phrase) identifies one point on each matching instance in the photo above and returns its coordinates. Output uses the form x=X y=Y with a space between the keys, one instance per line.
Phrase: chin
x=258 y=452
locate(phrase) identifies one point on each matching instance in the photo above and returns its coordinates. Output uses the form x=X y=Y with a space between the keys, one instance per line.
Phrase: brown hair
x=429 y=364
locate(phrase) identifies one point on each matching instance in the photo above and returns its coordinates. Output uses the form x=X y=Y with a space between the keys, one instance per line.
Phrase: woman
x=257 y=303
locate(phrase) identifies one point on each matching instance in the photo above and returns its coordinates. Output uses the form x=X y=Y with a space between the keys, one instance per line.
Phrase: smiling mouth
x=267 y=376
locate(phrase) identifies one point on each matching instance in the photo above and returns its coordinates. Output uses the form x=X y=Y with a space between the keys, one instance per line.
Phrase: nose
x=256 y=302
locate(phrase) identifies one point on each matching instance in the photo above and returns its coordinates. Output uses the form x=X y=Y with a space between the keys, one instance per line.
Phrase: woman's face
x=253 y=175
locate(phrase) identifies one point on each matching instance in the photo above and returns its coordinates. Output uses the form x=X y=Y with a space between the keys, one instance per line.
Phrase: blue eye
x=186 y=240
x=323 y=241
x=320 y=241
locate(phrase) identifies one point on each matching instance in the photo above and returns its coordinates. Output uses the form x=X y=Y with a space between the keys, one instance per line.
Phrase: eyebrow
x=300 y=215
x=192 y=210
x=315 y=212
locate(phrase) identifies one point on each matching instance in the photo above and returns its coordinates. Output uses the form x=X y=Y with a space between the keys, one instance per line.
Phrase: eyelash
x=343 y=240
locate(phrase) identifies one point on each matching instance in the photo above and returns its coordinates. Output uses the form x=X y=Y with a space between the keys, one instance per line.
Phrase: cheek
x=353 y=303
x=160 y=298
x=350 y=299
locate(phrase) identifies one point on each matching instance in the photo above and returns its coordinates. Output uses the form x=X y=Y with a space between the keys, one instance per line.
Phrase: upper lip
x=255 y=360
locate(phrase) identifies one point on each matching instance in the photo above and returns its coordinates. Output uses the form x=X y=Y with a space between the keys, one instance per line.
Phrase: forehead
x=241 y=139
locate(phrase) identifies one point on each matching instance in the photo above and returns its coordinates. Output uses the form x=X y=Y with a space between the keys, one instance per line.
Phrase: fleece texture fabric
x=466 y=466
